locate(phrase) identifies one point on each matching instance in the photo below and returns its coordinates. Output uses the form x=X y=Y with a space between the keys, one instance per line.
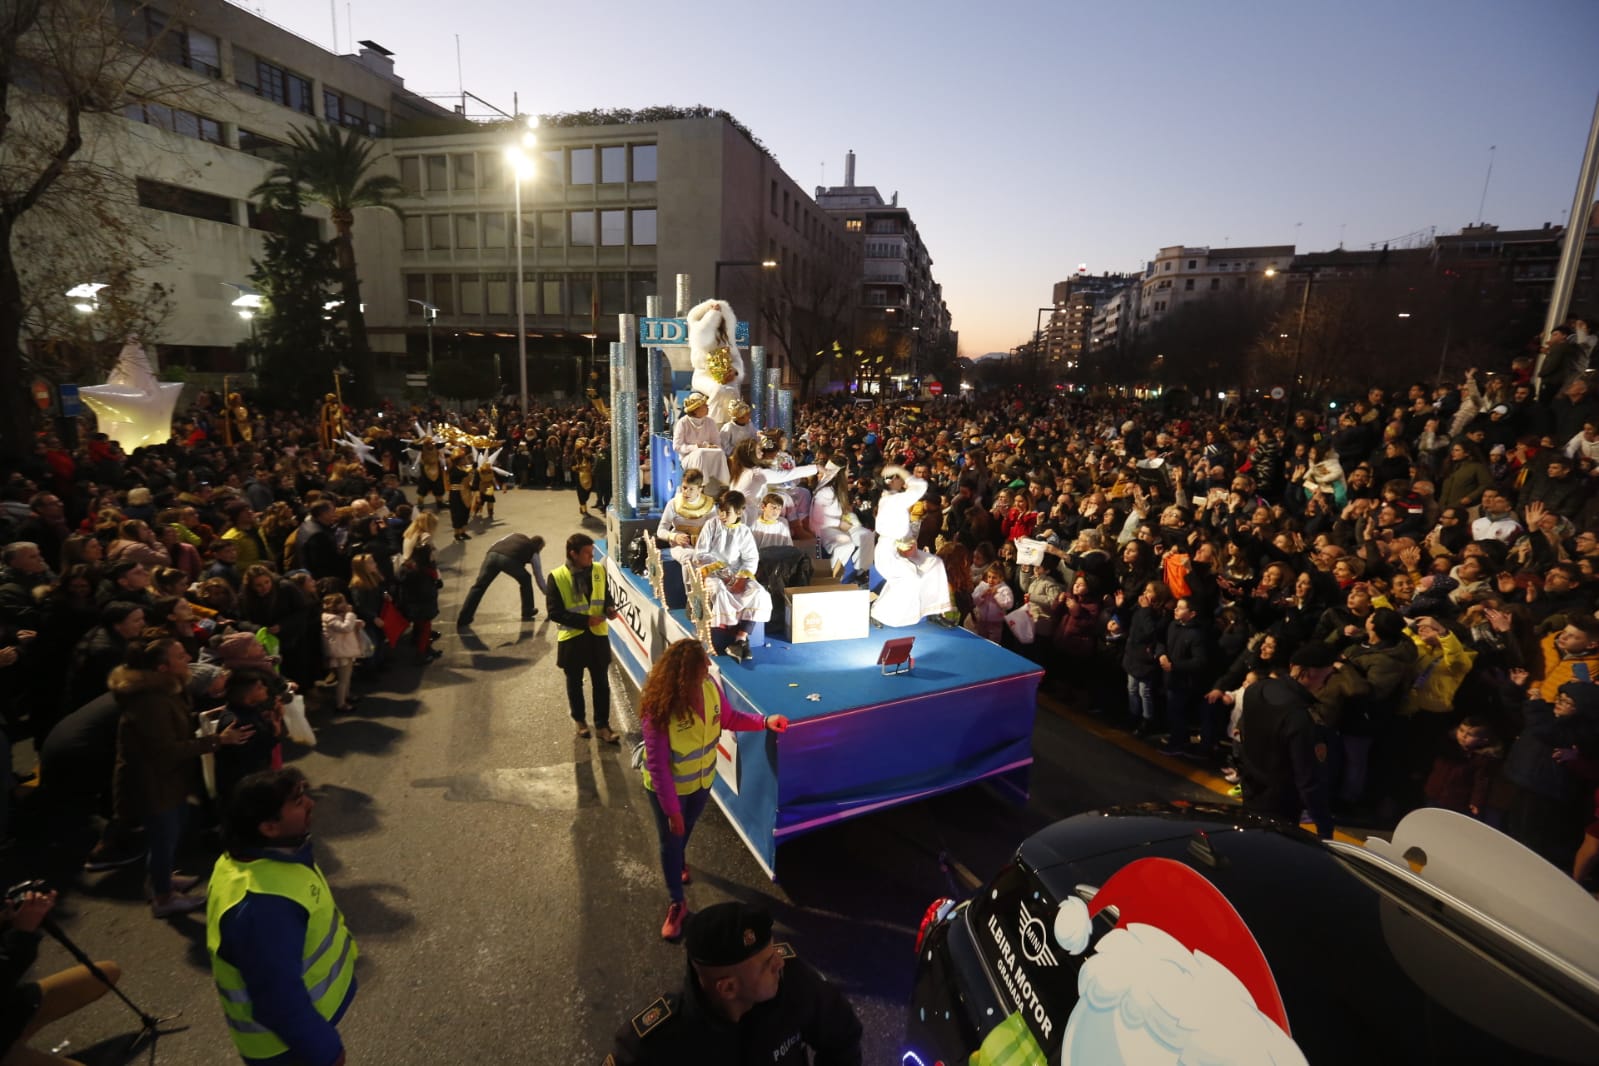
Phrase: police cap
x=728 y=933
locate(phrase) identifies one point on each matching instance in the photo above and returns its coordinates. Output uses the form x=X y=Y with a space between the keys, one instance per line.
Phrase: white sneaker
x=177 y=903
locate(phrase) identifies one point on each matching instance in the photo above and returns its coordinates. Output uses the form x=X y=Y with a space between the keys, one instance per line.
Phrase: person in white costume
x=684 y=516
x=713 y=352
x=728 y=558
x=838 y=531
x=698 y=443
x=915 y=584
x=740 y=428
x=771 y=528
x=751 y=476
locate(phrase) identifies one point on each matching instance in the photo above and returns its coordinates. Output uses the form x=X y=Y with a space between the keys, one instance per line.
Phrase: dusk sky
x=1027 y=138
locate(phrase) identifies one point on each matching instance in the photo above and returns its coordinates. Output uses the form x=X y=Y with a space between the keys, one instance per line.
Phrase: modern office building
x=610 y=213
x=1068 y=333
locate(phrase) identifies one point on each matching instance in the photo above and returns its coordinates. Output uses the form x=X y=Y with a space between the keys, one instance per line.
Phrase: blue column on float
x=758 y=386
x=785 y=413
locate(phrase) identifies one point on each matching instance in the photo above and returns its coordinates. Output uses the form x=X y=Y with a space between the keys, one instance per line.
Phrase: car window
x=1011 y=922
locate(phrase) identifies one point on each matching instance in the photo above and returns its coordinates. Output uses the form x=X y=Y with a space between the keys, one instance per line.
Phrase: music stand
x=896 y=653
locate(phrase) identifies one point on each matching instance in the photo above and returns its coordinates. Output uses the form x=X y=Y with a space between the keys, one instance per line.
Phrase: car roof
x=1364 y=951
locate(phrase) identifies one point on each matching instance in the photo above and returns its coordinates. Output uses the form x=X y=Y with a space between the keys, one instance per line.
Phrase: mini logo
x=1034 y=944
x=813 y=623
x=652 y=1016
x=749 y=938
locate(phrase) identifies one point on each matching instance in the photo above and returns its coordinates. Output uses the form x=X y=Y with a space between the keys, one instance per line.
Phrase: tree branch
x=15 y=208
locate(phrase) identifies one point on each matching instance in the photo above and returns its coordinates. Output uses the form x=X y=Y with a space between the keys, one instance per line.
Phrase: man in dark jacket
x=1283 y=766
x=744 y=999
x=23 y=572
x=510 y=555
x=315 y=548
x=1185 y=662
x=1557 y=487
x=1560 y=363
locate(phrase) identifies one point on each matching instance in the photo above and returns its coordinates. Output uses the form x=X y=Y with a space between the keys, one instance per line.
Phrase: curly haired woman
x=683 y=713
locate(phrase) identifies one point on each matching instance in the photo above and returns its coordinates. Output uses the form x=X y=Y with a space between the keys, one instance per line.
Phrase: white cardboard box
x=828 y=612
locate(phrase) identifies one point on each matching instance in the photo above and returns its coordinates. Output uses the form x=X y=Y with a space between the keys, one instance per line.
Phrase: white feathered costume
x=713 y=351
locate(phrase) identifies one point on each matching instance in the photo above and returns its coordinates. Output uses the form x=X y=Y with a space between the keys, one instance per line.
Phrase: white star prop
x=363 y=451
x=134 y=409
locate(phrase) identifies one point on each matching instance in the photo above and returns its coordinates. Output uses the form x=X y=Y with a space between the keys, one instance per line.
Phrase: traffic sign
x=41 y=393
x=936 y=388
x=1278 y=392
x=71 y=406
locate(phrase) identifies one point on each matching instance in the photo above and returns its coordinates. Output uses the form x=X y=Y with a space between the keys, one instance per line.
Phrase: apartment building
x=1068 y=335
x=1181 y=274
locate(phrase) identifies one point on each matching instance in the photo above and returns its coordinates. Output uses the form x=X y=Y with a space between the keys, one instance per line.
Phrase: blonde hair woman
x=419 y=532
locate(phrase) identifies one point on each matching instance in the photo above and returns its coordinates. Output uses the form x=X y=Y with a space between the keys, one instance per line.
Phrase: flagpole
x=1572 y=240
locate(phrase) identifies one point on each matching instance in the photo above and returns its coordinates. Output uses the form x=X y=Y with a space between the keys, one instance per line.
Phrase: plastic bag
x=1021 y=624
x=295 y=722
x=268 y=640
x=208 y=761
x=368 y=649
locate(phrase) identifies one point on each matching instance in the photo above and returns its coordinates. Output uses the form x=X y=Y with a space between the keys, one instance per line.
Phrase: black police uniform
x=807 y=1012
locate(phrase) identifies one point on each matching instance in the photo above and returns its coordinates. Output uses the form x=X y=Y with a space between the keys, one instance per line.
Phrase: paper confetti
x=815 y=697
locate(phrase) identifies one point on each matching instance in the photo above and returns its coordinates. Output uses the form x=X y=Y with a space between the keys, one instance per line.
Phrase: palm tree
x=332 y=166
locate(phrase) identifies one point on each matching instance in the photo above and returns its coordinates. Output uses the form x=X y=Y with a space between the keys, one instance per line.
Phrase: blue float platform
x=858 y=741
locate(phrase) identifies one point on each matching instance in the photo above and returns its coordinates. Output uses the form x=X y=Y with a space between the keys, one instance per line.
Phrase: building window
x=465 y=236
x=416 y=288
x=580 y=291
x=497 y=293
x=438 y=170
x=552 y=229
x=175 y=120
x=613 y=164
x=494 y=230
x=471 y=295
x=1192 y=263
x=853 y=225
x=1215 y=283
x=201 y=53
x=272 y=82
x=582 y=229
x=444 y=293
x=552 y=292
x=613 y=294
x=613 y=228
x=640 y=287
x=1167 y=266
x=582 y=166
x=554 y=170
x=439 y=233
x=643 y=162
x=410 y=173
x=644 y=227
x=774 y=197
x=1188 y=286
x=415 y=233
x=176 y=200
x=348 y=111
x=465 y=170
x=491 y=169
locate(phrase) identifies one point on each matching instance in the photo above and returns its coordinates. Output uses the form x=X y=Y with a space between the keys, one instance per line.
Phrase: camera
x=15 y=893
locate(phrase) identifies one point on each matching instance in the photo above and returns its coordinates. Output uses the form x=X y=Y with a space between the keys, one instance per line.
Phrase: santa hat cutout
x=1177 y=900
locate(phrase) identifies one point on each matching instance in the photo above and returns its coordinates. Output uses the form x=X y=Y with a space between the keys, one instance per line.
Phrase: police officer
x=745 y=999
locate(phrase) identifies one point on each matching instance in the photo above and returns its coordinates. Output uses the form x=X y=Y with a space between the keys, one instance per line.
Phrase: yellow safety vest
x=594 y=608
x=694 y=745
x=327 y=959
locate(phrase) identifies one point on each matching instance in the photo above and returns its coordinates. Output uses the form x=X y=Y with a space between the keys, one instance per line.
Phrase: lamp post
x=429 y=313
x=1299 y=343
x=521 y=167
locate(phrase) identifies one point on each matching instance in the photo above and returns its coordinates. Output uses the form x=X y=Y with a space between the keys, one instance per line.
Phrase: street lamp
x=86 y=297
x=1299 y=342
x=430 y=312
x=521 y=167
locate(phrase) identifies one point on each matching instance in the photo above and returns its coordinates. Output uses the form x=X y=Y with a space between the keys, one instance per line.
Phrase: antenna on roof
x=333 y=11
x=1486 y=179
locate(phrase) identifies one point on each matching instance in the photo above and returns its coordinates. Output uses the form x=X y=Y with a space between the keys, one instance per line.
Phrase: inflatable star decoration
x=134 y=409
x=363 y=451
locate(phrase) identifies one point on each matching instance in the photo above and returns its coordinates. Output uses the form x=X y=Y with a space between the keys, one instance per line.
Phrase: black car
x=1205 y=934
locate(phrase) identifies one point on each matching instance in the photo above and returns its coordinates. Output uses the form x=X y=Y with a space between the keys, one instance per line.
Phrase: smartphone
x=1580 y=672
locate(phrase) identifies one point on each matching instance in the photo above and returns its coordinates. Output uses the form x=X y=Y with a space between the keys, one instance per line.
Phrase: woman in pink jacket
x=683 y=713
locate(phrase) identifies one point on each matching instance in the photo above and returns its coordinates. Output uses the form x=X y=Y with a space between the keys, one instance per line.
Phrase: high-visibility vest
x=694 y=745
x=327 y=961
x=594 y=607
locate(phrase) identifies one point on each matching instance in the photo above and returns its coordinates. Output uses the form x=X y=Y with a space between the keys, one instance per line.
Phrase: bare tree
x=811 y=313
x=63 y=64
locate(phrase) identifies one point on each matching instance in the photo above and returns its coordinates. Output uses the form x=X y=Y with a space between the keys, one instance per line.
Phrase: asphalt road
x=501 y=875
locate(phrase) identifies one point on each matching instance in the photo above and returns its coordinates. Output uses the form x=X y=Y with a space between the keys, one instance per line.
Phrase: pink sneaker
x=672 y=928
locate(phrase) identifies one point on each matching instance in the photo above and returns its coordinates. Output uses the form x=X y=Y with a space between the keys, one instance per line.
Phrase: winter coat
x=316 y=550
x=156 y=745
x=1461 y=780
x=419 y=593
x=1145 y=633
x=341 y=635
x=1558 y=669
x=1439 y=672
x=1077 y=628
x=137 y=551
x=1463 y=486
x=1531 y=764
x=1388 y=669
x=1188 y=647
x=92 y=662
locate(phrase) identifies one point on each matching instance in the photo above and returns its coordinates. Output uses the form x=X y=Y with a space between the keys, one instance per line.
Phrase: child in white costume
x=698 y=443
x=914 y=582
x=838 y=531
x=727 y=556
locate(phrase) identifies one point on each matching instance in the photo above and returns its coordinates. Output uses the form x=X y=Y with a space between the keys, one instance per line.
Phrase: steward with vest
x=744 y=999
x=682 y=713
x=281 y=952
x=579 y=604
